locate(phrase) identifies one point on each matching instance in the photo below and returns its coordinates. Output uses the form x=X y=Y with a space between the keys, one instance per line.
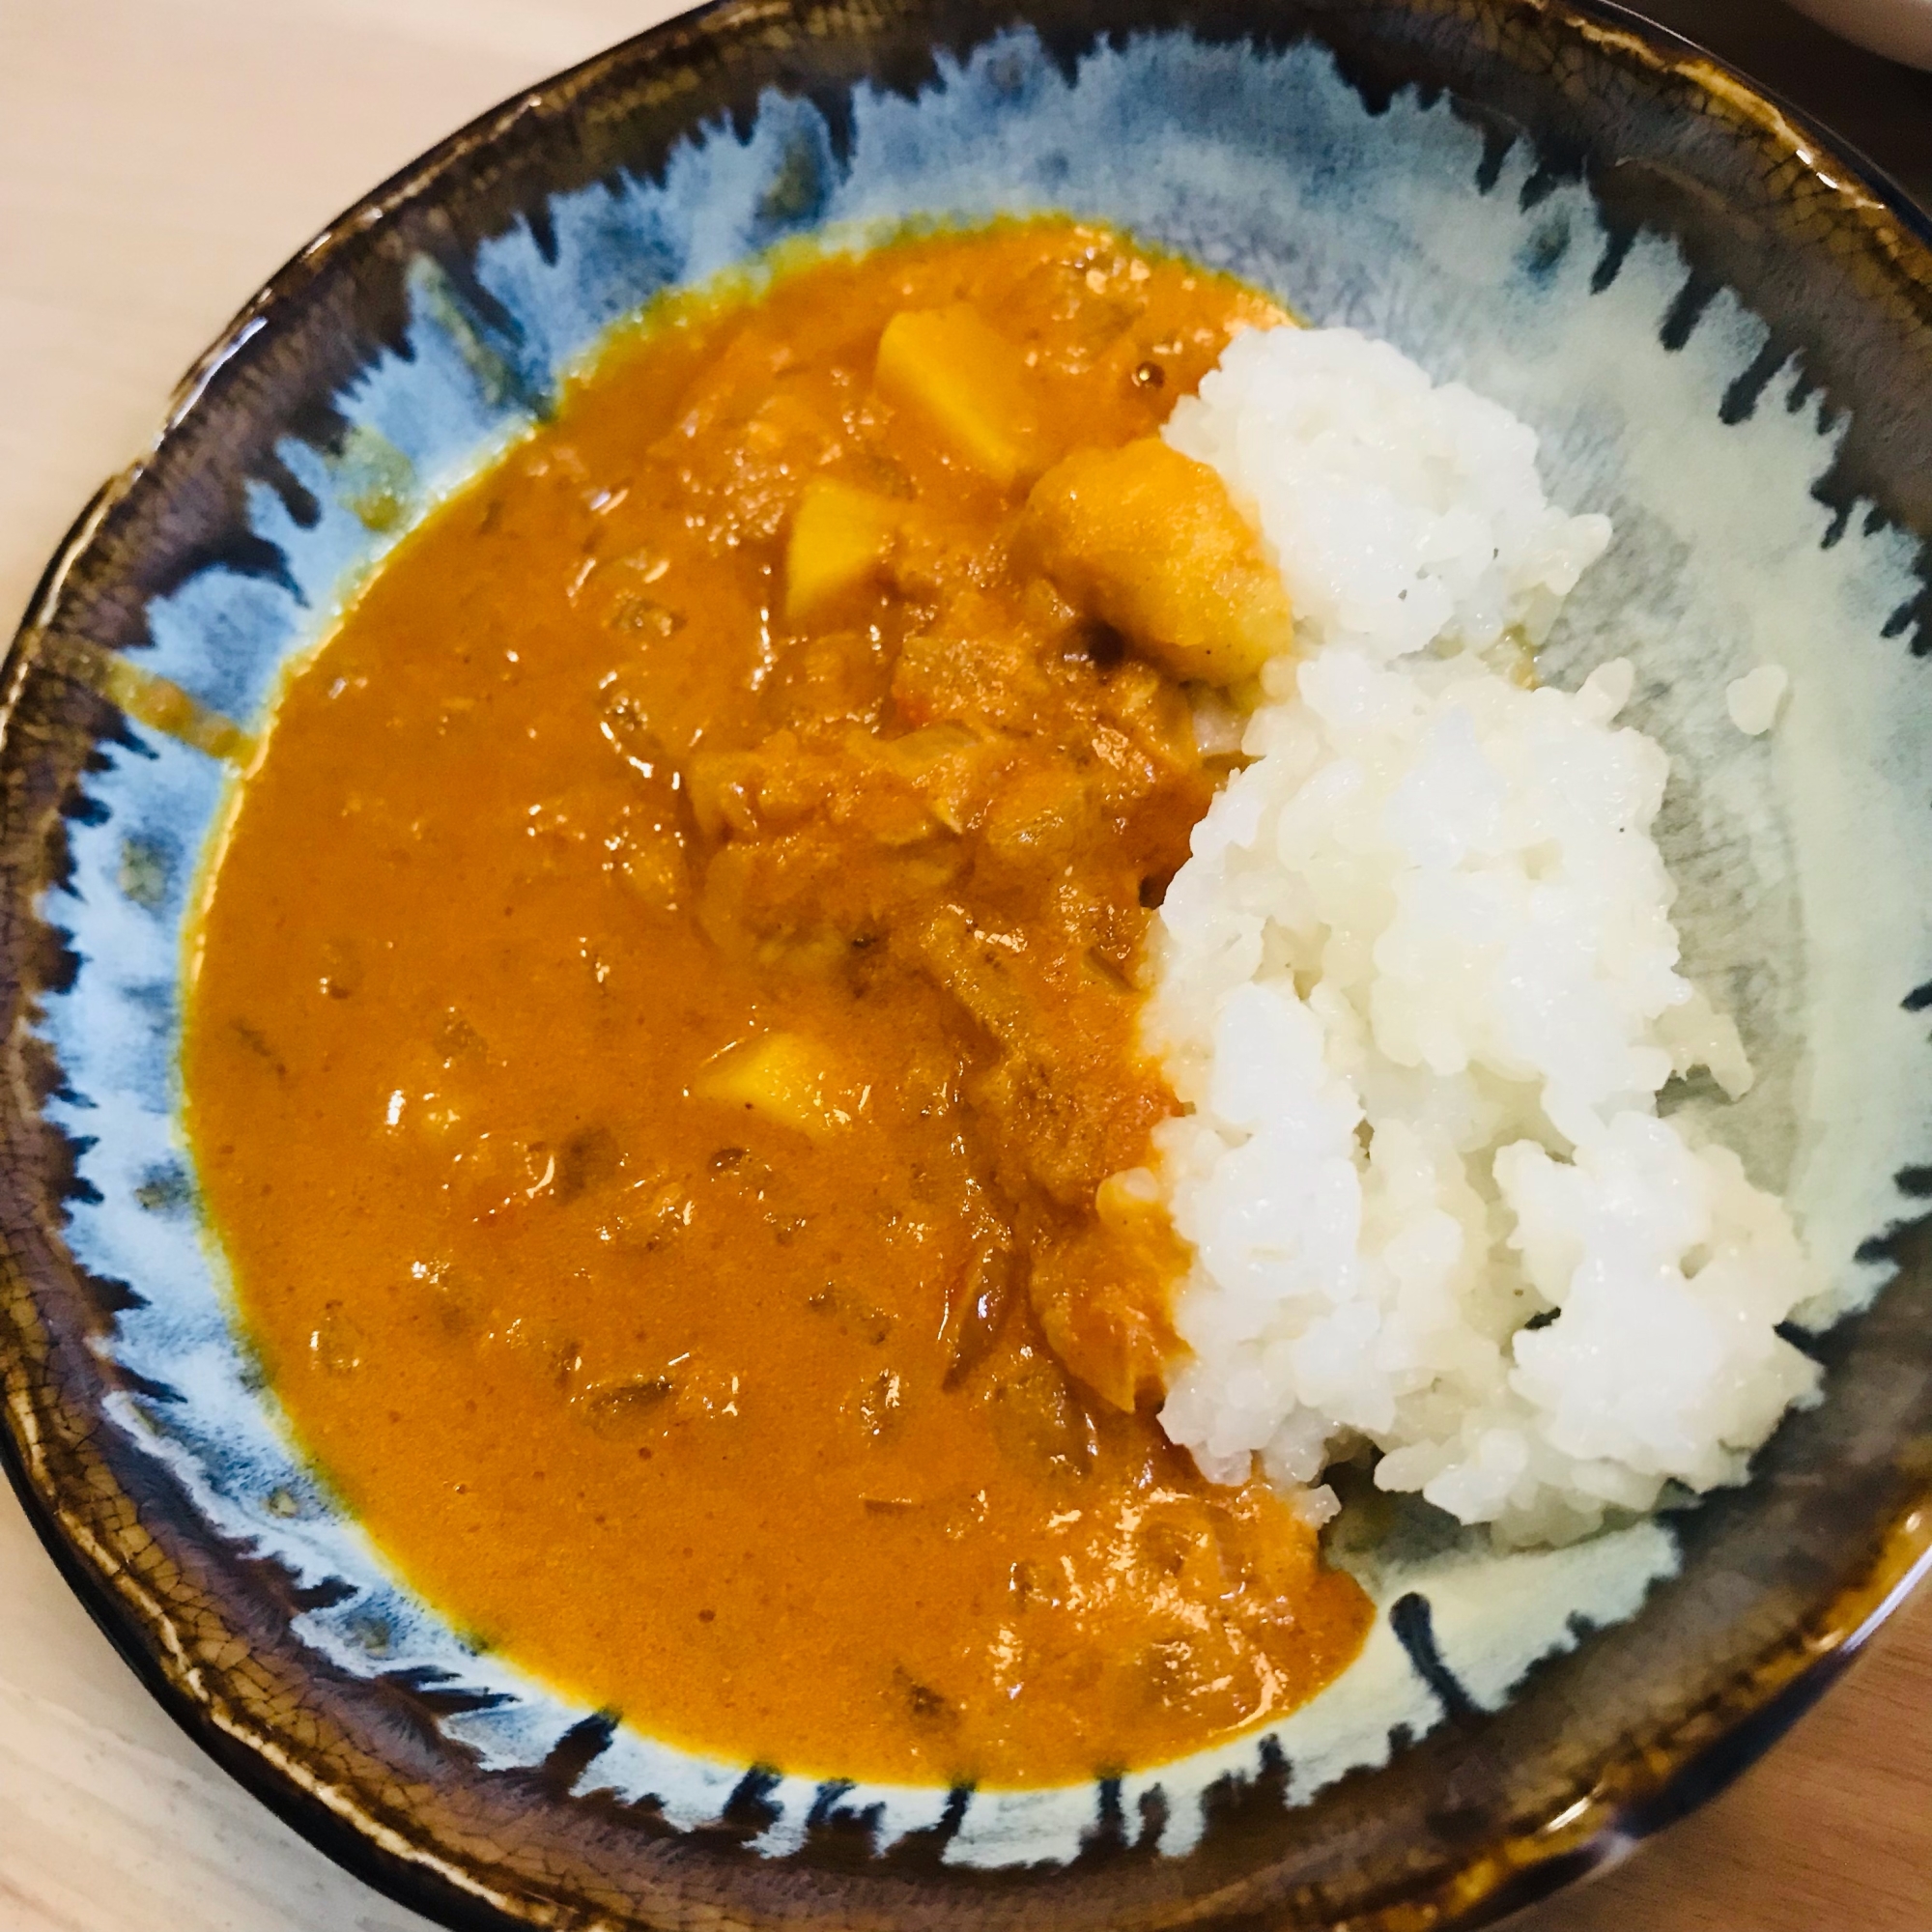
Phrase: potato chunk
x=1146 y=540
x=969 y=383
x=840 y=537
x=785 y=1077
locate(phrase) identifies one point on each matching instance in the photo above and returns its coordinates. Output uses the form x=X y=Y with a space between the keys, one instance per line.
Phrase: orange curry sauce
x=815 y=1433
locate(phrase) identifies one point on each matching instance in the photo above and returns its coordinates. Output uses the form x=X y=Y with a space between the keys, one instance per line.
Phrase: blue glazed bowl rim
x=1503 y=1877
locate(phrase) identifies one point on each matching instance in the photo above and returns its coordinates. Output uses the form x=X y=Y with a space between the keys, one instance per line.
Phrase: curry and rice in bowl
x=946 y=947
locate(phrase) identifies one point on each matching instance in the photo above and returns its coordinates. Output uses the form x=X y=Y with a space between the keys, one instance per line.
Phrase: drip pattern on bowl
x=1661 y=397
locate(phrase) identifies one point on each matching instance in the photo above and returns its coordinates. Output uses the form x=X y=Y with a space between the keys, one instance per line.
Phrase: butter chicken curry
x=661 y=1059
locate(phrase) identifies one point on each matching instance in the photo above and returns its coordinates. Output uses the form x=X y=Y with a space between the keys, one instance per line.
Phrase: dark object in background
x=1780 y=1580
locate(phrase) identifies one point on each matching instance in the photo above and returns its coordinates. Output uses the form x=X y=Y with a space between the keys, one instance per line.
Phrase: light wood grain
x=158 y=159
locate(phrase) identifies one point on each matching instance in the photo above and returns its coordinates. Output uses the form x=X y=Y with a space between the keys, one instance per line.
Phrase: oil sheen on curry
x=662 y=1055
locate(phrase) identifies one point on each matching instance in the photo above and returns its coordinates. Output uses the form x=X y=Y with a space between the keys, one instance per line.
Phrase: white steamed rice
x=1417 y=987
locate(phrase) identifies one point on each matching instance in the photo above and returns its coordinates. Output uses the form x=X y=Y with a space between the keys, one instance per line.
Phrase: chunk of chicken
x=1148 y=541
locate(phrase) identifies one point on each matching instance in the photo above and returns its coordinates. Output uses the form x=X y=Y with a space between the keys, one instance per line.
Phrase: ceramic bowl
x=1721 y=325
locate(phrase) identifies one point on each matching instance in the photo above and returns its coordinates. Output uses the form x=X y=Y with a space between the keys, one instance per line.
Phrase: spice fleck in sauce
x=663 y=1045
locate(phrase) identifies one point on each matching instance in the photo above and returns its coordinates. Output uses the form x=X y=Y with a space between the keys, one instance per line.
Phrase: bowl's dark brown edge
x=1681 y=48
x=1530 y=1867
x=407 y=1883
x=1631 y=1801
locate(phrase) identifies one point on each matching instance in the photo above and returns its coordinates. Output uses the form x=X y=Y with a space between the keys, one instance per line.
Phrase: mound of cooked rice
x=1417 y=987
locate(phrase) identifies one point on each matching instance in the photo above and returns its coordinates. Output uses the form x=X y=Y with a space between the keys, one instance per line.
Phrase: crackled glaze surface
x=1662 y=396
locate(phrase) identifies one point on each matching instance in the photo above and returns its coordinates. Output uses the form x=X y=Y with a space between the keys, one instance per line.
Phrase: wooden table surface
x=158 y=159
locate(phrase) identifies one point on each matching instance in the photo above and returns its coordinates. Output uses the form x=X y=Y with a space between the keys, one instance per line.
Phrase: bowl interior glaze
x=1722 y=331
